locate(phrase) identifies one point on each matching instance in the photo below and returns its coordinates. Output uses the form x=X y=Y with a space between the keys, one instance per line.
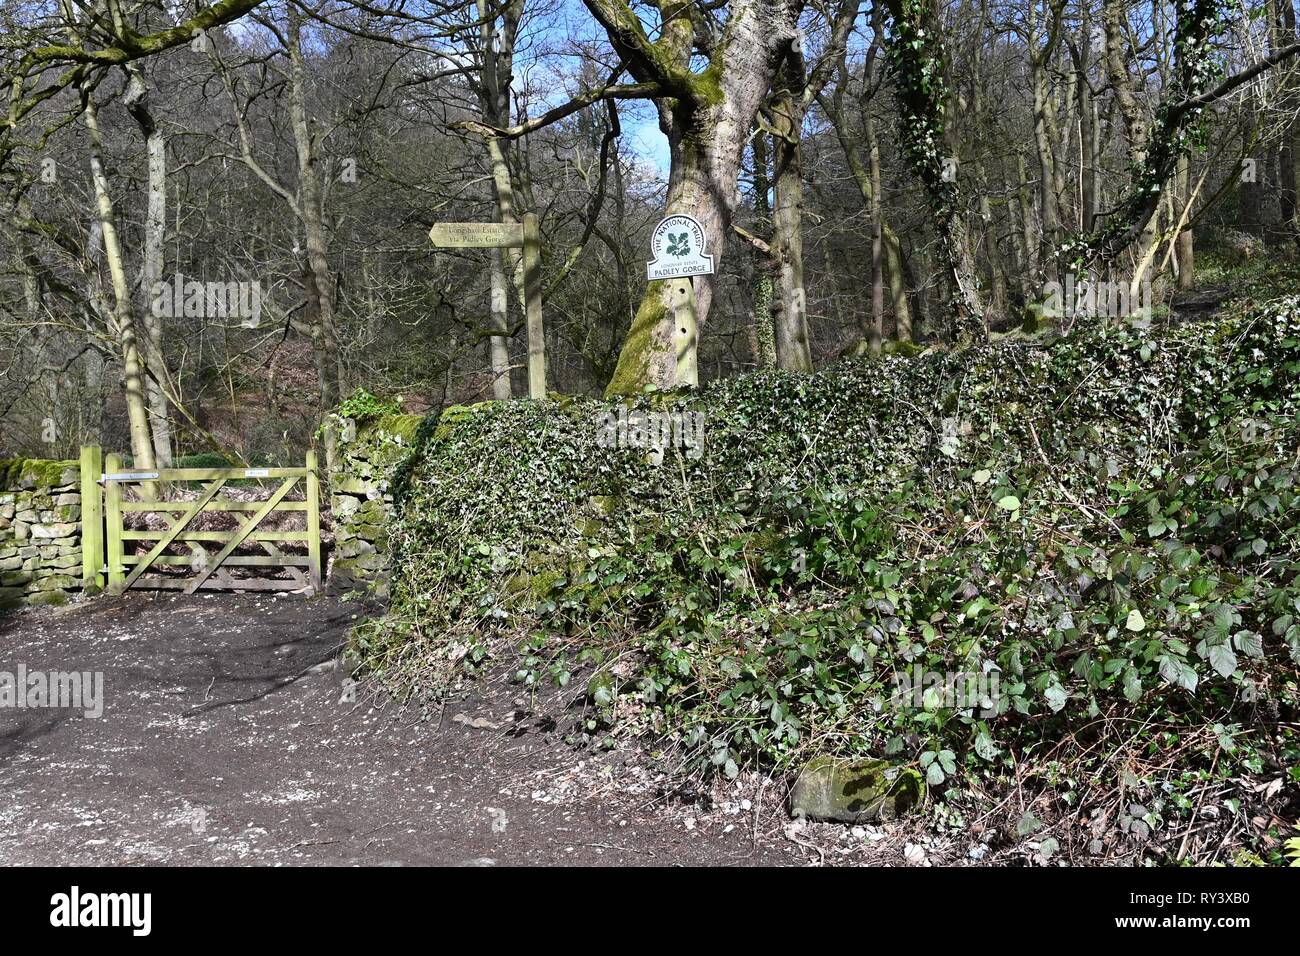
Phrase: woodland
x=997 y=372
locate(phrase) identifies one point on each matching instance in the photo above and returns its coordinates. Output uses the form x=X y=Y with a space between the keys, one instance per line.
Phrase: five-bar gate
x=127 y=491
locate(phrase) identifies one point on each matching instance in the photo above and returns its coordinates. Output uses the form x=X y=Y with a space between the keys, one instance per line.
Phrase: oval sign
x=678 y=246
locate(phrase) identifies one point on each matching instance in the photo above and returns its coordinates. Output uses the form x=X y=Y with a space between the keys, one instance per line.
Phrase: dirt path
x=225 y=740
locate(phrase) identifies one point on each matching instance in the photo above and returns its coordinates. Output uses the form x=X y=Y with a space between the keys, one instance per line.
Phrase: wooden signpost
x=509 y=235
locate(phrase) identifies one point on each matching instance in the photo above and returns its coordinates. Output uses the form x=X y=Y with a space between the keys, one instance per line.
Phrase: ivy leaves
x=773 y=591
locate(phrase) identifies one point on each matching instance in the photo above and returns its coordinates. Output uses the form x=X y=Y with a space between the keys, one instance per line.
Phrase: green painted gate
x=126 y=491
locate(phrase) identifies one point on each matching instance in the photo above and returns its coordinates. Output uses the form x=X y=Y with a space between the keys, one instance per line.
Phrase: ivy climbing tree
x=917 y=60
x=1178 y=128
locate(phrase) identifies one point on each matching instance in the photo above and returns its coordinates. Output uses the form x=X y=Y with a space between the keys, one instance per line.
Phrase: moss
x=632 y=374
x=403 y=426
x=376 y=534
x=372 y=512
x=47 y=599
x=1034 y=319
x=536 y=586
x=361 y=565
x=906 y=349
x=36 y=472
x=707 y=85
x=855 y=791
x=604 y=504
x=589 y=527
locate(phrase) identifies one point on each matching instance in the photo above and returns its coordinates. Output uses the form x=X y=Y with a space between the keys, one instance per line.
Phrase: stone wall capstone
x=40 y=531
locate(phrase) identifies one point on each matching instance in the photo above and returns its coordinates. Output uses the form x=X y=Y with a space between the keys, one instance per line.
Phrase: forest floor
x=227 y=738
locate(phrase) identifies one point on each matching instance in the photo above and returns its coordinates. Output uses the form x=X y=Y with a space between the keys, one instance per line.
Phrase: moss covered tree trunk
x=707 y=116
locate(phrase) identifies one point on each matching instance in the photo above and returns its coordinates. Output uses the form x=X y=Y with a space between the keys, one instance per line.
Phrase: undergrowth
x=1104 y=528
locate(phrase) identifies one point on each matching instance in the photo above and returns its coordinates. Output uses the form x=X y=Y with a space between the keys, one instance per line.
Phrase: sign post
x=678 y=245
x=509 y=235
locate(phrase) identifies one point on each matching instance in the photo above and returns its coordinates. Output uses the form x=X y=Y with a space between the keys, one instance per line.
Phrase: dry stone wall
x=361 y=499
x=40 y=531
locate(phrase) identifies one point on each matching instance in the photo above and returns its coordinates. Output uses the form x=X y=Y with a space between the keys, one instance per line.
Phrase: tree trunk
x=498 y=349
x=764 y=333
x=1184 y=253
x=311 y=203
x=1028 y=236
x=1116 y=63
x=133 y=371
x=707 y=120
x=494 y=102
x=1289 y=135
x=151 y=264
x=1089 y=134
x=792 y=349
x=1049 y=213
x=877 y=332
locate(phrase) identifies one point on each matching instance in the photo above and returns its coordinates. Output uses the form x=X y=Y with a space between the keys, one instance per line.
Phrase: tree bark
x=1184 y=250
x=706 y=116
x=877 y=332
x=1289 y=136
x=312 y=205
x=1114 y=19
x=792 y=348
x=764 y=333
x=133 y=370
x=1049 y=211
x=494 y=101
x=151 y=263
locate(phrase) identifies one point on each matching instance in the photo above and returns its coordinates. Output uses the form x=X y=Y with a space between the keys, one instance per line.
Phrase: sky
x=550 y=37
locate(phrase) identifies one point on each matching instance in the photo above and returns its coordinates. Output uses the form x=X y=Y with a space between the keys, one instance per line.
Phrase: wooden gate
x=127 y=492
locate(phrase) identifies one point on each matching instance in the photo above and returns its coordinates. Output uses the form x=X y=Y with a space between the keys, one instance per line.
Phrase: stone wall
x=40 y=531
x=361 y=499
